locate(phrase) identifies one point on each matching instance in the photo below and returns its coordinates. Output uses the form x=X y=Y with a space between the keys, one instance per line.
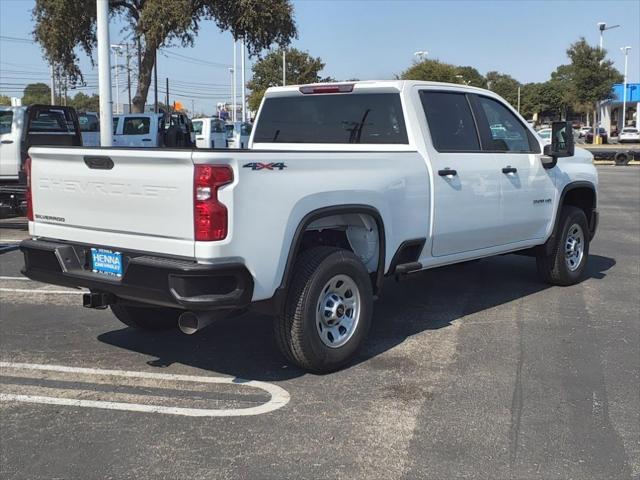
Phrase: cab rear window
x=363 y=118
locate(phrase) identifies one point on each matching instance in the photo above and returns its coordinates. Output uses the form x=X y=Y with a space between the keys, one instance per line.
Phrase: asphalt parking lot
x=470 y=371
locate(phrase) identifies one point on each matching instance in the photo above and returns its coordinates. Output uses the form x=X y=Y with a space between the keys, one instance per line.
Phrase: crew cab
x=342 y=185
x=21 y=128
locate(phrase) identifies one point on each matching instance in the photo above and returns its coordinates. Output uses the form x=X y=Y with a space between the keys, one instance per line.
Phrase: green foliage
x=267 y=72
x=504 y=85
x=5 y=101
x=63 y=25
x=590 y=73
x=470 y=76
x=432 y=71
x=36 y=93
x=85 y=103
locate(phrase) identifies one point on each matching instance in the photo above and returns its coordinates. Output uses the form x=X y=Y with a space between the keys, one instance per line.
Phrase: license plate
x=106 y=262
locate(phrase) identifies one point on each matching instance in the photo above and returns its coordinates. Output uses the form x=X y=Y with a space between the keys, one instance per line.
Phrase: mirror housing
x=562 y=144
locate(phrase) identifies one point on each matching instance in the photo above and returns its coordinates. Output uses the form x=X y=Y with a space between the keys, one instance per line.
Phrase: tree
x=591 y=75
x=85 y=103
x=471 y=76
x=36 y=93
x=504 y=85
x=63 y=25
x=433 y=71
x=4 y=100
x=267 y=72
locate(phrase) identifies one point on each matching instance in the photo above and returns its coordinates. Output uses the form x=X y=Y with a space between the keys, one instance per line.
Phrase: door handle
x=447 y=172
x=509 y=169
x=7 y=142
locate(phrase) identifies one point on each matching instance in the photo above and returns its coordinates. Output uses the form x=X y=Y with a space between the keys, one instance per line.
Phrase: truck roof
x=359 y=85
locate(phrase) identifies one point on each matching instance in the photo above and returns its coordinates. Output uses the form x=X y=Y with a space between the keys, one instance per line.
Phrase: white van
x=238 y=134
x=210 y=133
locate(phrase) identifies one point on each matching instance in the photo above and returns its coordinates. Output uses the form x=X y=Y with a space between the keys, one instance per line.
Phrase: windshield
x=6 y=117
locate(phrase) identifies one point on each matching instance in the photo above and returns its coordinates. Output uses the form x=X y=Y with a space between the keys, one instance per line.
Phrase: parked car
x=89 y=128
x=210 y=133
x=601 y=131
x=22 y=128
x=342 y=185
x=178 y=130
x=545 y=135
x=629 y=135
x=141 y=130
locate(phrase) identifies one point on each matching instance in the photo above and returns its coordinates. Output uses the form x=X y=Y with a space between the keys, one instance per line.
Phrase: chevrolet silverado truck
x=343 y=185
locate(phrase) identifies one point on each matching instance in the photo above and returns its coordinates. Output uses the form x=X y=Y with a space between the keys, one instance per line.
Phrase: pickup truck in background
x=343 y=185
x=209 y=132
x=89 y=128
x=22 y=128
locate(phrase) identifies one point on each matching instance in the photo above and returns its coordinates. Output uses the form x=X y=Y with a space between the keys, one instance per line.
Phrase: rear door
x=10 y=128
x=527 y=189
x=200 y=130
x=466 y=180
x=123 y=198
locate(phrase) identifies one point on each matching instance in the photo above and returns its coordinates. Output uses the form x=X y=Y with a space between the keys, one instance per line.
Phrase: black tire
x=622 y=158
x=147 y=318
x=553 y=268
x=296 y=330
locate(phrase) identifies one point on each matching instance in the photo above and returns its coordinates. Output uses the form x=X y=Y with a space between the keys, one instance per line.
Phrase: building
x=611 y=110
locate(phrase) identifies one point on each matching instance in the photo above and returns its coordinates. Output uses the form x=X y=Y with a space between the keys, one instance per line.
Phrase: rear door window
x=6 y=118
x=197 y=127
x=450 y=121
x=51 y=121
x=363 y=118
x=136 y=126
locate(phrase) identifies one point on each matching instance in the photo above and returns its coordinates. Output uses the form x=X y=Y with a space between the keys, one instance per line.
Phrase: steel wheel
x=338 y=311
x=574 y=247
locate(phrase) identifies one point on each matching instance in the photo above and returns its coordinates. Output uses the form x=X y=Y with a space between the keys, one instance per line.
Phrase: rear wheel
x=568 y=259
x=147 y=318
x=328 y=310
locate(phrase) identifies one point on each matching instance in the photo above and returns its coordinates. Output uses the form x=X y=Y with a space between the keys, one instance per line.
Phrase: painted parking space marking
x=279 y=397
x=50 y=292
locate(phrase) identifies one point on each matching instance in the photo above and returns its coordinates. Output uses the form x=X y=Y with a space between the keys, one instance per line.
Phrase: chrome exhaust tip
x=191 y=322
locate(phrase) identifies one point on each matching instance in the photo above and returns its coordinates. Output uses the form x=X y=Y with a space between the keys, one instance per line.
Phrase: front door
x=9 y=144
x=466 y=180
x=528 y=192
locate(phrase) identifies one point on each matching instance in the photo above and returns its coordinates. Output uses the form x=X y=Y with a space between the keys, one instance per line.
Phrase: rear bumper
x=156 y=280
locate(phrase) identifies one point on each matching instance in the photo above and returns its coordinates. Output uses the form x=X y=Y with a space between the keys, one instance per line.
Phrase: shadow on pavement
x=243 y=346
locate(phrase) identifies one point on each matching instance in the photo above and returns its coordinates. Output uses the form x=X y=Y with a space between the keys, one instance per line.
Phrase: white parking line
x=279 y=396
x=31 y=290
x=14 y=278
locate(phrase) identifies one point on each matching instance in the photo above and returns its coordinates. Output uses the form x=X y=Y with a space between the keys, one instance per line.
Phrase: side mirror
x=562 y=144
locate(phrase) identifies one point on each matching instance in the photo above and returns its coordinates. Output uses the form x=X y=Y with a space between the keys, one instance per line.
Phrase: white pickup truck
x=344 y=184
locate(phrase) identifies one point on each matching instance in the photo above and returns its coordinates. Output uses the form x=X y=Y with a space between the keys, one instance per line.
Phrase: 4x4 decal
x=265 y=166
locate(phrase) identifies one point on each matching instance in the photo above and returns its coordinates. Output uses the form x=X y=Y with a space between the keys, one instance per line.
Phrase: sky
x=368 y=39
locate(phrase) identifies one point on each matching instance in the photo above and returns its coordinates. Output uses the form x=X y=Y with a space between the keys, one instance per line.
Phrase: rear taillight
x=210 y=217
x=27 y=172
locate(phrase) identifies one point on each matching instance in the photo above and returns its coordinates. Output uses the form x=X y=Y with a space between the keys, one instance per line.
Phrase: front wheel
x=328 y=310
x=567 y=262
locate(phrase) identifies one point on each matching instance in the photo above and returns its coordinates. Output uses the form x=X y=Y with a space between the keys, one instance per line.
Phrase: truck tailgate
x=129 y=199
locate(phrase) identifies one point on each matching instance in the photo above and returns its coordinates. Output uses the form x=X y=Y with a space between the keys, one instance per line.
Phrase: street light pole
x=625 y=50
x=104 y=72
x=116 y=50
x=242 y=79
x=235 y=81
x=284 y=67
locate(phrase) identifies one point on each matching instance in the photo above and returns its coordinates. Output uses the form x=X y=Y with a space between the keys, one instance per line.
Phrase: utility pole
x=155 y=81
x=242 y=79
x=129 y=77
x=284 y=67
x=193 y=108
x=235 y=82
x=625 y=50
x=104 y=72
x=167 y=97
x=53 y=86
